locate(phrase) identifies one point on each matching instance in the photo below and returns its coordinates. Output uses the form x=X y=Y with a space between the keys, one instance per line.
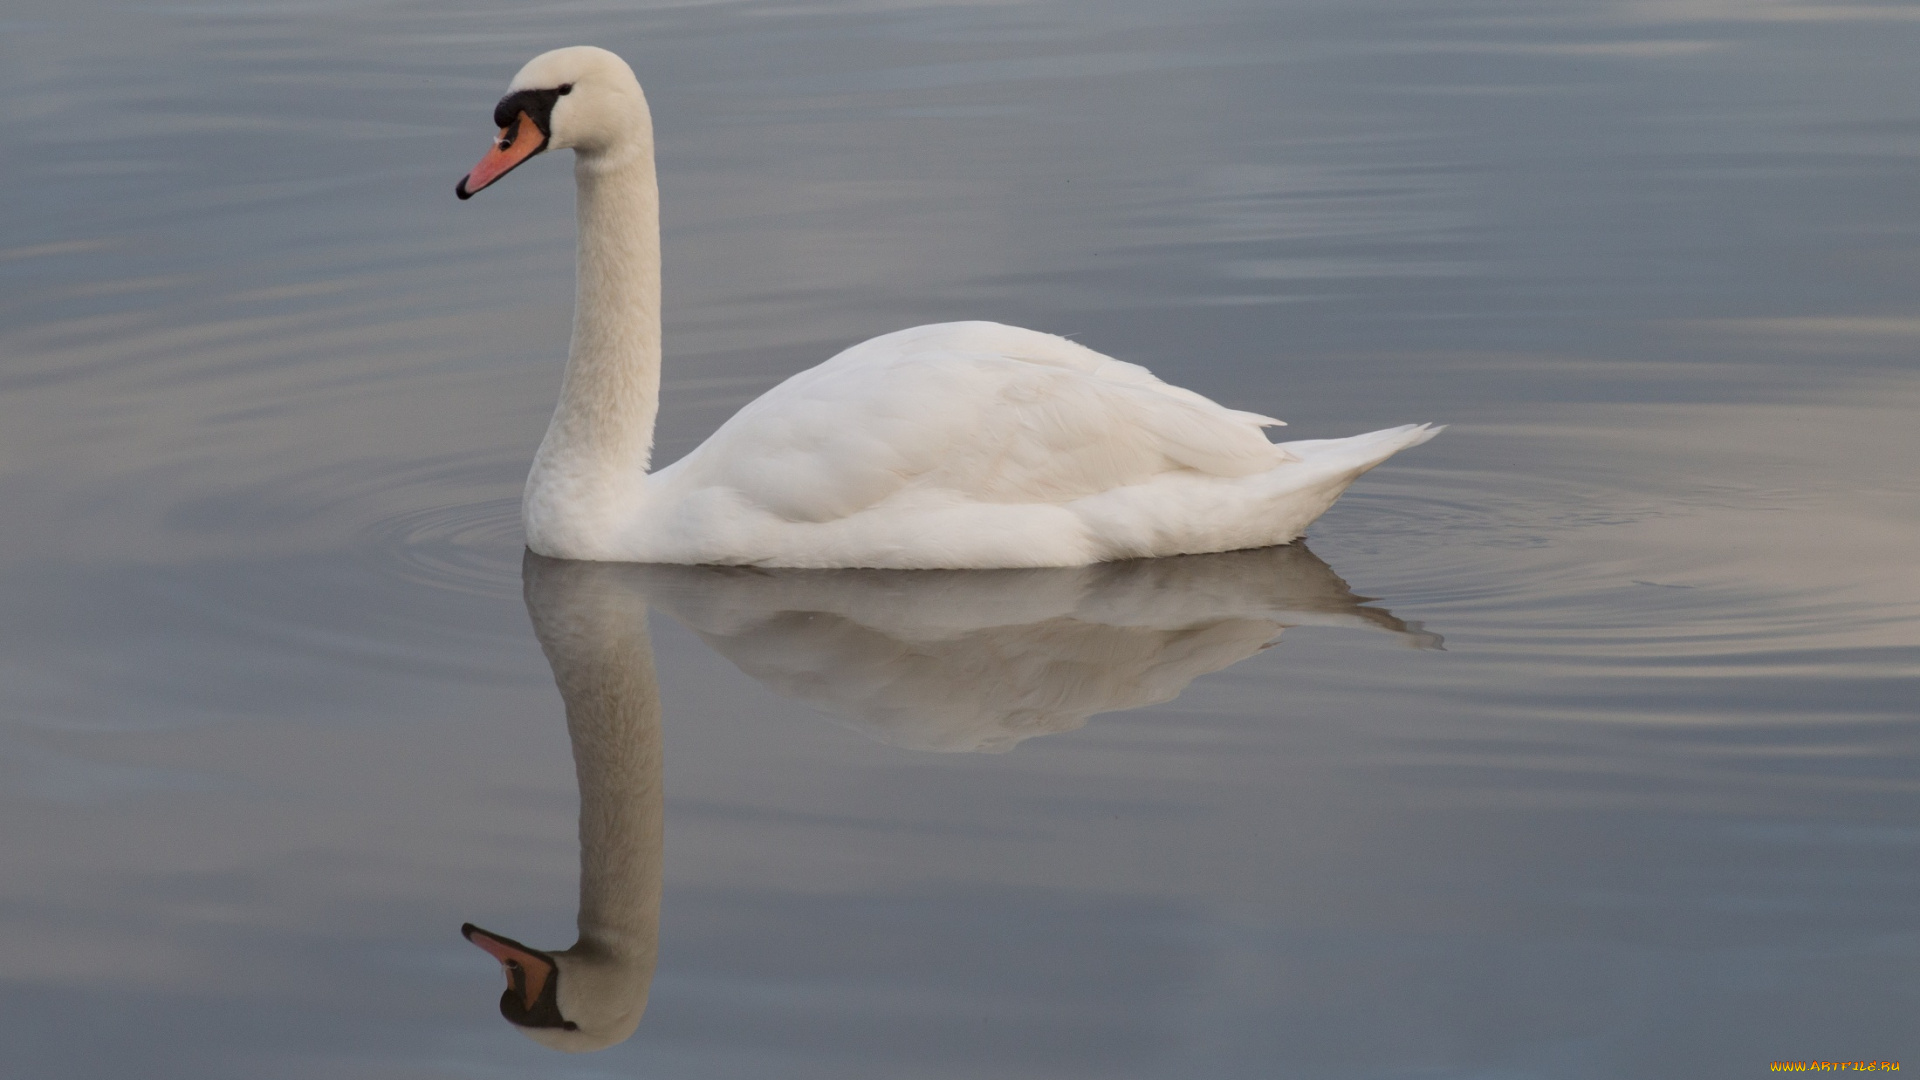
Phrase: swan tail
x=1358 y=453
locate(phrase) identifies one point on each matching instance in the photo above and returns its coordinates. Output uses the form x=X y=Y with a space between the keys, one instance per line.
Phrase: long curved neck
x=589 y=473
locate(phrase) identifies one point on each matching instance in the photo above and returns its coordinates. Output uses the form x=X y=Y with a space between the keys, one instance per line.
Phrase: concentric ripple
x=466 y=547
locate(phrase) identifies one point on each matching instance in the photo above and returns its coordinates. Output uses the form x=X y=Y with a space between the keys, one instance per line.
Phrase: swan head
x=580 y=98
x=577 y=1000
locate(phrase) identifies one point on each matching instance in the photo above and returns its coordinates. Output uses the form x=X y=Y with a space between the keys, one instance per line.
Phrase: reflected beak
x=515 y=145
x=527 y=970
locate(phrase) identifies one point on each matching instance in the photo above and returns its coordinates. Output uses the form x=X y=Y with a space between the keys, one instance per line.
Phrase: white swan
x=958 y=445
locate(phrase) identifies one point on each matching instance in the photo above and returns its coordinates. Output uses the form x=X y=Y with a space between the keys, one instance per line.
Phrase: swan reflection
x=982 y=659
x=935 y=660
x=593 y=627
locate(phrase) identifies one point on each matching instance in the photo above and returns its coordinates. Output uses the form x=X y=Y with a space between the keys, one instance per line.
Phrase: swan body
x=958 y=445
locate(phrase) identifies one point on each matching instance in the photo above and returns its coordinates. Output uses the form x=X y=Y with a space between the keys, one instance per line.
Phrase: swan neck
x=591 y=466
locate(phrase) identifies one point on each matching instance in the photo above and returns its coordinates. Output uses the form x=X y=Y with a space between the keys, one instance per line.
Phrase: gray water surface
x=275 y=721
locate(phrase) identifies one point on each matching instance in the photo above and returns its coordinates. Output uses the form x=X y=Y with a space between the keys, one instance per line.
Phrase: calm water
x=275 y=720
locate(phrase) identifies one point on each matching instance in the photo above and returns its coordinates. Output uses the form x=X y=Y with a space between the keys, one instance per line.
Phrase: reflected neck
x=593 y=628
x=613 y=720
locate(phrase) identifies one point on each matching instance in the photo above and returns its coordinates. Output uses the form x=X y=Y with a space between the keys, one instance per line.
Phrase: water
x=275 y=723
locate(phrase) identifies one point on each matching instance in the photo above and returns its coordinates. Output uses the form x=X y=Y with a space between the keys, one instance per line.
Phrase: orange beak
x=515 y=145
x=527 y=970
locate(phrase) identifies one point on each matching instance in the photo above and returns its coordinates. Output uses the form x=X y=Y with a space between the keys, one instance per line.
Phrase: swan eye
x=566 y=88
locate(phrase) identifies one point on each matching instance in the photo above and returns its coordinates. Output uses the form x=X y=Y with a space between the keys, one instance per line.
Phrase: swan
x=591 y=995
x=962 y=445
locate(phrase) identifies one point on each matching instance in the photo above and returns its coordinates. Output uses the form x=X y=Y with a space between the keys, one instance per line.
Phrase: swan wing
x=1032 y=346
x=971 y=411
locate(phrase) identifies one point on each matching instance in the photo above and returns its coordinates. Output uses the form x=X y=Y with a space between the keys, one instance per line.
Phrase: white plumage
x=957 y=445
x=982 y=445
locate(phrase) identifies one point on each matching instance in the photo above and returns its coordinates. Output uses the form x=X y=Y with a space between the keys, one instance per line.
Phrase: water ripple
x=465 y=547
